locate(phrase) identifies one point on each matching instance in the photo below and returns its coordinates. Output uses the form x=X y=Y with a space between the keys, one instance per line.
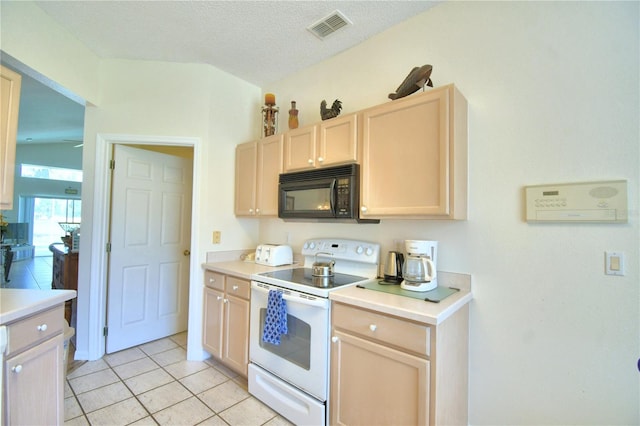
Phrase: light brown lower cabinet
x=226 y=320
x=34 y=389
x=387 y=370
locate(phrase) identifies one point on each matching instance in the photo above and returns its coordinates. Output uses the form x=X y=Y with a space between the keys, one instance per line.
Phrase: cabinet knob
x=334 y=339
x=310 y=161
x=235 y=288
x=212 y=280
x=251 y=211
x=42 y=327
x=320 y=159
x=17 y=368
x=225 y=301
x=257 y=211
x=186 y=252
x=218 y=297
x=363 y=208
x=372 y=327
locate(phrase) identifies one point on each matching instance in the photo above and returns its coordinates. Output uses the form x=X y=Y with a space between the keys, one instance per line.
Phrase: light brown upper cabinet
x=258 y=167
x=10 y=91
x=329 y=143
x=414 y=157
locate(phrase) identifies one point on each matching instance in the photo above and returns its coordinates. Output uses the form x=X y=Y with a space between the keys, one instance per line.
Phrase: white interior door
x=148 y=282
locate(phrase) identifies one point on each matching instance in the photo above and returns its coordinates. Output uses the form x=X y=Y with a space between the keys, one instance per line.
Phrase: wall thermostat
x=601 y=202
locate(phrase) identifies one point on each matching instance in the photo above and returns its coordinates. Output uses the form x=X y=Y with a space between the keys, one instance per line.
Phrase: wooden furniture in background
x=65 y=273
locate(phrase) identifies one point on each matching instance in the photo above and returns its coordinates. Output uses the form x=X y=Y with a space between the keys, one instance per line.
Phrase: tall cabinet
x=258 y=167
x=414 y=157
x=10 y=102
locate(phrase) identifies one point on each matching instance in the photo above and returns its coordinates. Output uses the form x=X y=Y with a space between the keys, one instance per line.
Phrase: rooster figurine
x=334 y=111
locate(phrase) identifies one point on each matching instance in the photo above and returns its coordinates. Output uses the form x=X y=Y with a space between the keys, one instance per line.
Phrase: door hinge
x=105 y=331
x=108 y=247
x=112 y=164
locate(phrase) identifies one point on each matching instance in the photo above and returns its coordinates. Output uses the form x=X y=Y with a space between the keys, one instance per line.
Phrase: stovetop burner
x=305 y=277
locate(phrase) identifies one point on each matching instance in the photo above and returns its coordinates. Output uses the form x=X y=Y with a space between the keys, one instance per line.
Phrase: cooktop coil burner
x=304 y=276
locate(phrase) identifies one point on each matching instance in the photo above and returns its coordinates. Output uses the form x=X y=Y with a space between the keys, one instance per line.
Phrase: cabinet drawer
x=214 y=280
x=238 y=287
x=393 y=331
x=35 y=329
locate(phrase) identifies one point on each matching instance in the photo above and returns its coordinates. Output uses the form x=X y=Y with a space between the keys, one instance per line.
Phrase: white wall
x=553 y=91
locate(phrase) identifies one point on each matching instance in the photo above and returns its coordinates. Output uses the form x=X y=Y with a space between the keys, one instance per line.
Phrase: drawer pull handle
x=42 y=327
x=373 y=327
x=235 y=288
x=334 y=339
x=17 y=368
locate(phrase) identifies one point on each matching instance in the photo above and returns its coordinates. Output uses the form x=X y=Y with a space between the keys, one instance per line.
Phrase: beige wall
x=553 y=95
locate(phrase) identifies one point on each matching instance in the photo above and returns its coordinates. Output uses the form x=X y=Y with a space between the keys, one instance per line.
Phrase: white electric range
x=292 y=376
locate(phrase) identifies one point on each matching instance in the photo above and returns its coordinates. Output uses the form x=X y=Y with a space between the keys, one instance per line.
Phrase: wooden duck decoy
x=417 y=78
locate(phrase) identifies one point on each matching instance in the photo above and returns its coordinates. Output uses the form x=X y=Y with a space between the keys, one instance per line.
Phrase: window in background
x=47 y=215
x=51 y=173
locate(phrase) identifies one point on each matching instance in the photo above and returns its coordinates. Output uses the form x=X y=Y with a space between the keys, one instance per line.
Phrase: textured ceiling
x=257 y=41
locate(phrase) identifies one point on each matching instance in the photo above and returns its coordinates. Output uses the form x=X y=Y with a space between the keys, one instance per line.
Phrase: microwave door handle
x=332 y=198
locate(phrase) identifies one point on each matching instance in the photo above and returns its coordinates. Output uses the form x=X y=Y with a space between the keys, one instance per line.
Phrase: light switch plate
x=614 y=263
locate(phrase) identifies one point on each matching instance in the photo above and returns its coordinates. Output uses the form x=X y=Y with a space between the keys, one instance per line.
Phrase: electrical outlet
x=216 y=237
x=613 y=263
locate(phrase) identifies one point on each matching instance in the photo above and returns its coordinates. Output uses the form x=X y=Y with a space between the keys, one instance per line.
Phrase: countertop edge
x=409 y=308
x=19 y=303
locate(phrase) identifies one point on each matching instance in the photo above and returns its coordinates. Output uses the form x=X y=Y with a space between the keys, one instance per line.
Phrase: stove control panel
x=343 y=249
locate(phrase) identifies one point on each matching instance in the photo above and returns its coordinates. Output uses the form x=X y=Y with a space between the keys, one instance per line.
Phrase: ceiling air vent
x=329 y=24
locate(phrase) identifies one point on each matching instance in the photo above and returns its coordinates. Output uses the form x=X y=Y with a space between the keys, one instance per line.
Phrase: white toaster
x=274 y=255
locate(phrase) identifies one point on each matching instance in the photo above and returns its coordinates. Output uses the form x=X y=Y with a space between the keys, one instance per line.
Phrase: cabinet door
x=405 y=164
x=10 y=82
x=34 y=385
x=246 y=172
x=300 y=149
x=374 y=384
x=213 y=321
x=338 y=142
x=236 y=334
x=270 y=161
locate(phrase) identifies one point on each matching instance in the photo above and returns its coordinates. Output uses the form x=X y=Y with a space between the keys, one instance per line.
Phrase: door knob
x=186 y=252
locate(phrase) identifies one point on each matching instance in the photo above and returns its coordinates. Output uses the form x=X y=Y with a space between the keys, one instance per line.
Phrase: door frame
x=96 y=293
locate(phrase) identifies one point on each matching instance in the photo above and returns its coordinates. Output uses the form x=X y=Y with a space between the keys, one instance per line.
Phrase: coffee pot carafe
x=419 y=271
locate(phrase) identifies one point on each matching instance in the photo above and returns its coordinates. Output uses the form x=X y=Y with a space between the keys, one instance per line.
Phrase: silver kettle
x=393 y=267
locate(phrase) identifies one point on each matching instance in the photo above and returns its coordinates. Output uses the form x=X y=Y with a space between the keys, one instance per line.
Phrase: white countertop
x=404 y=307
x=407 y=307
x=19 y=303
x=242 y=269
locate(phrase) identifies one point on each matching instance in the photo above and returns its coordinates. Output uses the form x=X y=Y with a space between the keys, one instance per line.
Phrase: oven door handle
x=298 y=298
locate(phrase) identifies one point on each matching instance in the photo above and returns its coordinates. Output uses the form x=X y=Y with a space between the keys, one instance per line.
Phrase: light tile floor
x=154 y=384
x=34 y=273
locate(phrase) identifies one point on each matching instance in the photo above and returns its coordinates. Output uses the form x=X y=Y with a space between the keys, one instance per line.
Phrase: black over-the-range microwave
x=325 y=193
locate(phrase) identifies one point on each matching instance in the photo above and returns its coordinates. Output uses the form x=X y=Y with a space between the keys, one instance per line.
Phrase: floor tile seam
x=73 y=392
x=124 y=383
x=120 y=380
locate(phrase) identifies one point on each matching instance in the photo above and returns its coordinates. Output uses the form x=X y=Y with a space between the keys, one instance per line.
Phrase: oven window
x=308 y=200
x=295 y=346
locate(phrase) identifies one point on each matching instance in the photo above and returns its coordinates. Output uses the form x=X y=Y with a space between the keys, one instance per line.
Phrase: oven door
x=302 y=357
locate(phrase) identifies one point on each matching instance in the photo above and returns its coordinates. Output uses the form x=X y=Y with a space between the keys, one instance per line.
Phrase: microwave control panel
x=600 y=202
